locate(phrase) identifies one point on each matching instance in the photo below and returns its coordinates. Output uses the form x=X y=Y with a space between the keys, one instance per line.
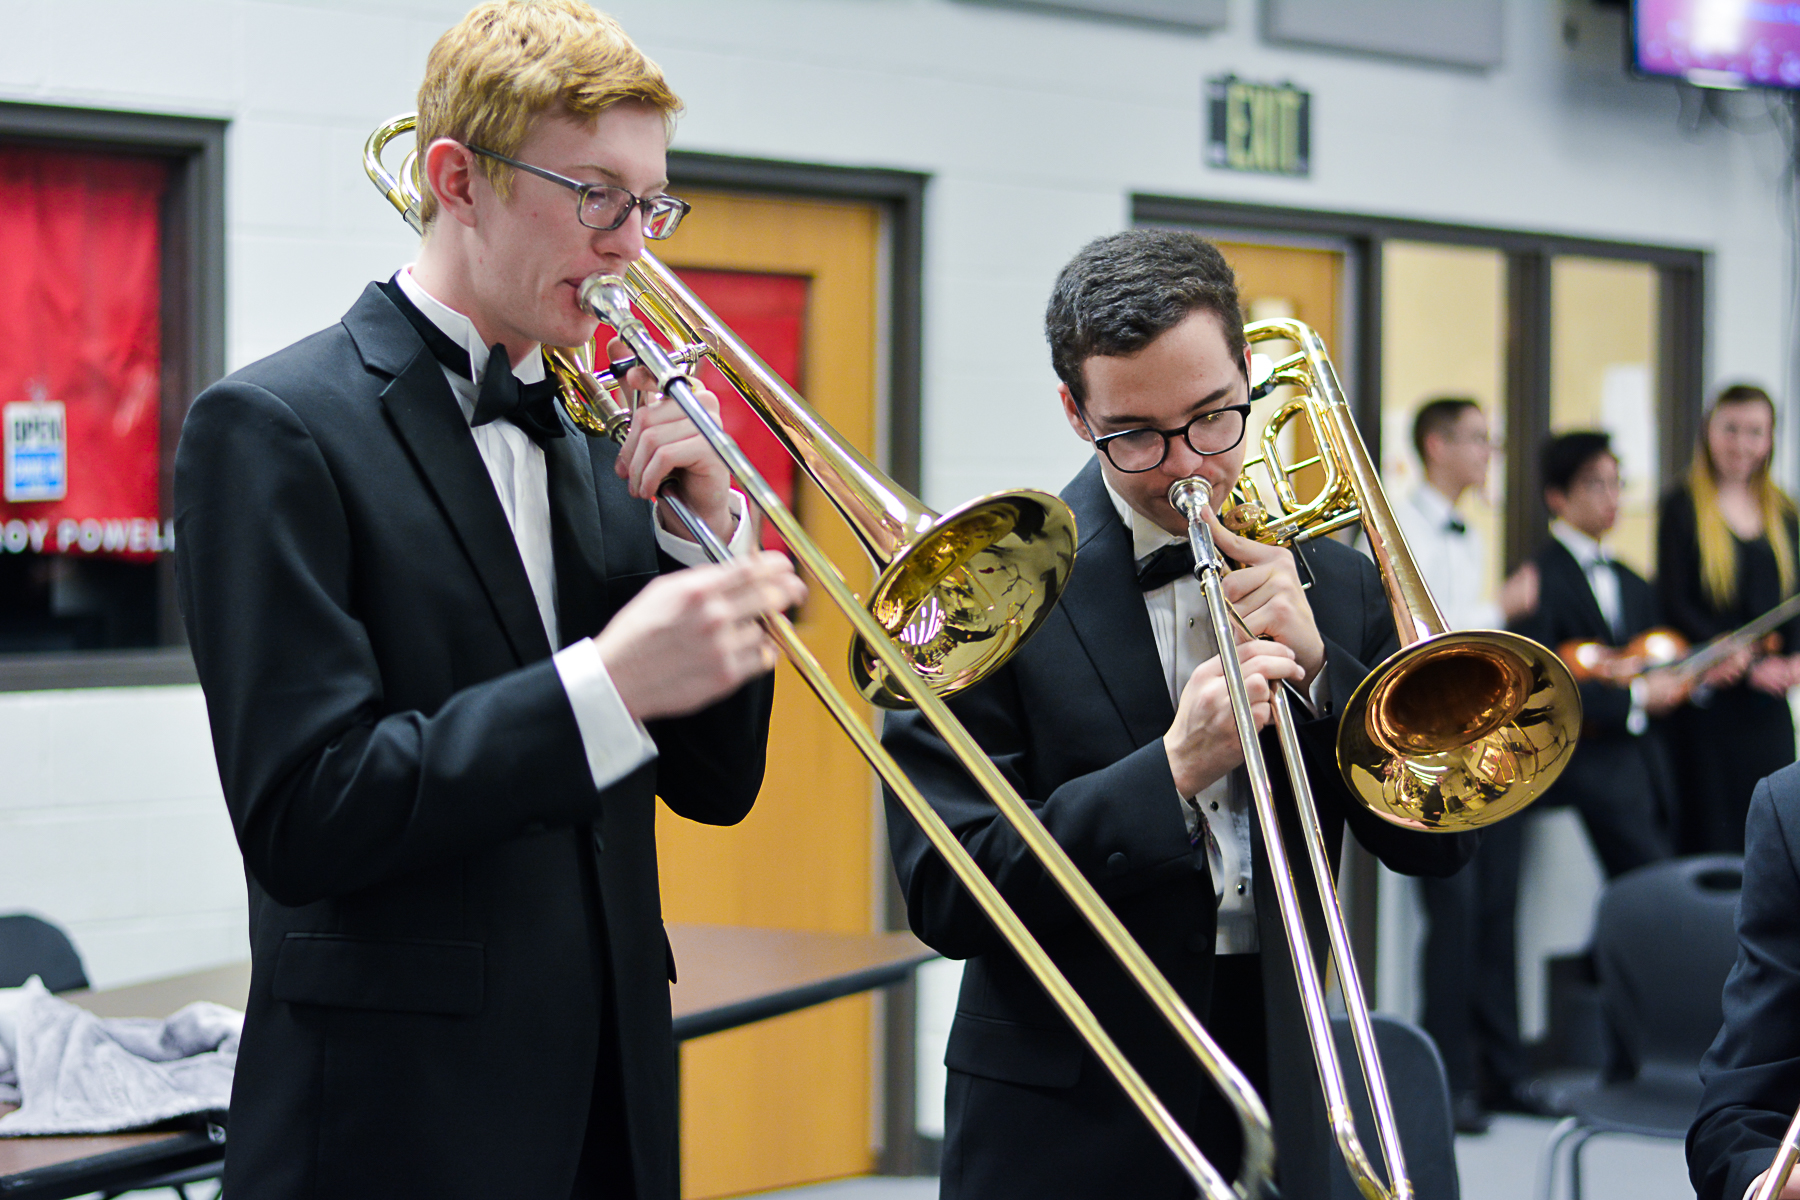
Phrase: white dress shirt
x=1221 y=811
x=616 y=744
x=1454 y=564
x=1603 y=581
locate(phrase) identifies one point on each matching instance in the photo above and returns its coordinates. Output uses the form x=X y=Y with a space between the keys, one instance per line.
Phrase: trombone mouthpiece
x=1190 y=496
x=607 y=297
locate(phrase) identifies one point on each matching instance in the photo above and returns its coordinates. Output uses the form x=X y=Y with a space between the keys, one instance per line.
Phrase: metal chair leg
x=1587 y=1135
x=1565 y=1129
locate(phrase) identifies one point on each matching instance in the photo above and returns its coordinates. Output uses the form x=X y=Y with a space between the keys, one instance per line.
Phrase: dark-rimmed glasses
x=1212 y=432
x=604 y=207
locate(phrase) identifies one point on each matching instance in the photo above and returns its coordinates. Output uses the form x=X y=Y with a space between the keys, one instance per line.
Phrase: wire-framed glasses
x=604 y=207
x=1212 y=432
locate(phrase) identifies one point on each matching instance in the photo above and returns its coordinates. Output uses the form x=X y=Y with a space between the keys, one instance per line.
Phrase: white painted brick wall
x=112 y=825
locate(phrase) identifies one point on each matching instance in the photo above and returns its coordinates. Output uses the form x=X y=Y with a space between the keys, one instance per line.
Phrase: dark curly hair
x=1125 y=290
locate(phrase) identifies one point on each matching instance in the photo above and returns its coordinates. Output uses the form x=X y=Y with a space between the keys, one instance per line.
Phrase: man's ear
x=1072 y=413
x=450 y=174
x=1555 y=499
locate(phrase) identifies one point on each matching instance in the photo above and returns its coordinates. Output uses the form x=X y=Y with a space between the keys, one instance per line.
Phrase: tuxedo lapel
x=575 y=533
x=1575 y=582
x=1106 y=611
x=428 y=420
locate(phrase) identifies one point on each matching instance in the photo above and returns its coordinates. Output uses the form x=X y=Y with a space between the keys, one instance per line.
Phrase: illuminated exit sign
x=1263 y=127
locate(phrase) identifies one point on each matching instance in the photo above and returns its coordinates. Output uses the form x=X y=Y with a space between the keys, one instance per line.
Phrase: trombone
x=1003 y=560
x=1453 y=731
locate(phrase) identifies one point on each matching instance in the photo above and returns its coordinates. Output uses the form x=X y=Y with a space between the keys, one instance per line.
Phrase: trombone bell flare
x=1456 y=730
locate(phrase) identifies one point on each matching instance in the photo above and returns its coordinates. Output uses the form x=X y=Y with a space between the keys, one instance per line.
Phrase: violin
x=1662 y=647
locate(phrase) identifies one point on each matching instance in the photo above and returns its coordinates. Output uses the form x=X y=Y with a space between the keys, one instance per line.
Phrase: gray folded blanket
x=72 y=1072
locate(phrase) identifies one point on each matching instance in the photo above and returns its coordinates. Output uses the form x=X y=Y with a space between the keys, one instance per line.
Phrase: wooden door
x=1288 y=281
x=791 y=1100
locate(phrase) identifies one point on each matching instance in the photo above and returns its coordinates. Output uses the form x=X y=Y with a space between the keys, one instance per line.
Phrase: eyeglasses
x=604 y=207
x=1212 y=432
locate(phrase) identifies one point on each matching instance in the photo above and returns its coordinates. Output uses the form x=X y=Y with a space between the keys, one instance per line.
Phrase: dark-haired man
x=1618 y=778
x=1114 y=724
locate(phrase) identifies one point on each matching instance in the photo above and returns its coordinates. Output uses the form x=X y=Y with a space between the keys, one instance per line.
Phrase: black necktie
x=1455 y=525
x=1165 y=565
x=530 y=406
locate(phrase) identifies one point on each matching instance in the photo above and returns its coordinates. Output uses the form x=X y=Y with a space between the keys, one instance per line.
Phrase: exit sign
x=1263 y=127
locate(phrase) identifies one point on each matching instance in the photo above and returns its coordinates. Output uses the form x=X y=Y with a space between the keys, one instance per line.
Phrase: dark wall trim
x=165 y=667
x=1527 y=400
x=1681 y=369
x=1182 y=210
x=193 y=304
x=903 y=194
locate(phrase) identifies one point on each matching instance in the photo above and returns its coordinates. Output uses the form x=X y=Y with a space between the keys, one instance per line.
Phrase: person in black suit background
x=1114 y=725
x=459 y=983
x=1752 y=1072
x=1726 y=555
x=1618 y=778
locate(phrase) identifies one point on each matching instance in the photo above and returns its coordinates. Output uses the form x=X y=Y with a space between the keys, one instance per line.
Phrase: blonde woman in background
x=1725 y=553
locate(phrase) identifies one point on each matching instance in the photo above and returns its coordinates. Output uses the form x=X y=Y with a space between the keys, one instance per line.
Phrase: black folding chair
x=1664 y=941
x=32 y=946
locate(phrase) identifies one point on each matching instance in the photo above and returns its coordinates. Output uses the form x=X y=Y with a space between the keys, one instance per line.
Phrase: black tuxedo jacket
x=1075 y=721
x=1620 y=782
x=1752 y=1072
x=1567 y=611
x=449 y=923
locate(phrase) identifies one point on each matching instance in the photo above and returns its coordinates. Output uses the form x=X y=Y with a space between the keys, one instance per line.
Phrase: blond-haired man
x=451 y=658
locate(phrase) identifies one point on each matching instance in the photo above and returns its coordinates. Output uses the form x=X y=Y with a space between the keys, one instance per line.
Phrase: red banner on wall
x=80 y=353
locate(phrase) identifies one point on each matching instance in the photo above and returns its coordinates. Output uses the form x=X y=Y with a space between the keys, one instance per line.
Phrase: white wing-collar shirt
x=1220 y=813
x=616 y=743
x=1451 y=556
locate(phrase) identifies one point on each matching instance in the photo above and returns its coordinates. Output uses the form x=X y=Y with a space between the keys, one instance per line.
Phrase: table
x=730 y=976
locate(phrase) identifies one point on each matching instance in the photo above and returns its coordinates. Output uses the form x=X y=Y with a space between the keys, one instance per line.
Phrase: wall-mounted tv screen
x=1718 y=43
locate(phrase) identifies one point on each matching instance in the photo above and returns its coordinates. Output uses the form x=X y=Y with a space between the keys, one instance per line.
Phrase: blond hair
x=1718 y=547
x=510 y=61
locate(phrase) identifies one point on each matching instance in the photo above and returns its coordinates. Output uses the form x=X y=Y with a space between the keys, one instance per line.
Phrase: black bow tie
x=1165 y=565
x=1455 y=525
x=530 y=406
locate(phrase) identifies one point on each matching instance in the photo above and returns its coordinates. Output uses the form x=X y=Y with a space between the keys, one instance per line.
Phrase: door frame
x=1681 y=319
x=901 y=195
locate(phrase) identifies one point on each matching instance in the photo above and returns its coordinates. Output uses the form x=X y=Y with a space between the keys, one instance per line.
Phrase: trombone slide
x=1190 y=498
x=610 y=300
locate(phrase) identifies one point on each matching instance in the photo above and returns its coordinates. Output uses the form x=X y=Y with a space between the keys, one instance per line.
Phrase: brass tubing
x=610 y=301
x=1787 y=1154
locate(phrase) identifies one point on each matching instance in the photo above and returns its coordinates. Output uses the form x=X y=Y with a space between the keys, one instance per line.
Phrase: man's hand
x=692 y=637
x=663 y=444
x=1664 y=691
x=1203 y=743
x=1266 y=592
x=1774 y=674
x=1519 y=594
x=1730 y=670
x=1790 y=1192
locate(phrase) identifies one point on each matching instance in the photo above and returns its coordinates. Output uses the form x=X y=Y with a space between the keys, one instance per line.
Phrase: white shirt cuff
x=693 y=554
x=616 y=743
x=1320 y=691
x=1638 y=720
